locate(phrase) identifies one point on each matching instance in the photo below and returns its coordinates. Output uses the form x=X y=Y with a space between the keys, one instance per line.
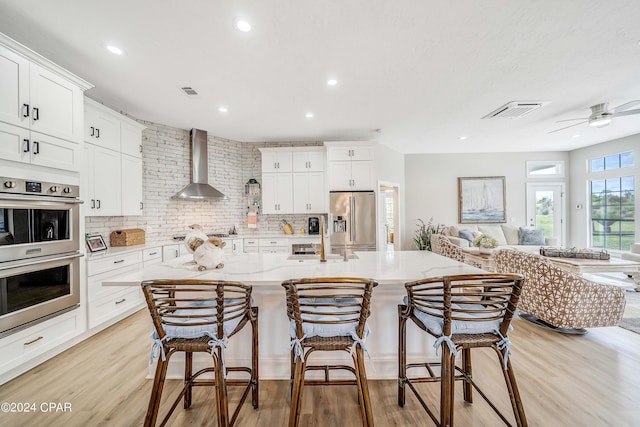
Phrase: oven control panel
x=41 y=188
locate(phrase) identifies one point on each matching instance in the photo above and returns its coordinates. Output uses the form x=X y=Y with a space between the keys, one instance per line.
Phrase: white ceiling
x=424 y=72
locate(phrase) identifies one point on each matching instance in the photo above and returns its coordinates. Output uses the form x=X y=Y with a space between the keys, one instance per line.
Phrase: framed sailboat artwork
x=481 y=200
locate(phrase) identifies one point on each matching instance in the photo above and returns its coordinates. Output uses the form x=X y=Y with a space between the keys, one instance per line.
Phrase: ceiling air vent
x=515 y=109
x=189 y=90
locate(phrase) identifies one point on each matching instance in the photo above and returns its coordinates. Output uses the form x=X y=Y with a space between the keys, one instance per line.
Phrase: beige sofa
x=633 y=254
x=506 y=235
x=559 y=298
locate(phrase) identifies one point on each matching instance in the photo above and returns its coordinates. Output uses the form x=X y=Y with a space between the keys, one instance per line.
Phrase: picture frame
x=482 y=200
x=96 y=243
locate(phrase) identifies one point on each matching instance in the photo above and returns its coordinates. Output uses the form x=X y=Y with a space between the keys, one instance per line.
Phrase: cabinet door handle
x=97 y=133
x=98 y=200
x=121 y=301
x=93 y=131
x=118 y=262
x=36 y=113
x=26 y=110
x=177 y=253
x=35 y=340
x=141 y=148
x=26 y=145
x=93 y=203
x=36 y=146
x=141 y=205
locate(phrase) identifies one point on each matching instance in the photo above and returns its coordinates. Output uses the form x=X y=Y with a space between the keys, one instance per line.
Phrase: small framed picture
x=96 y=243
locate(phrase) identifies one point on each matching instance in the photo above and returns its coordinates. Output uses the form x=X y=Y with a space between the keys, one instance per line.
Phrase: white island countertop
x=272 y=269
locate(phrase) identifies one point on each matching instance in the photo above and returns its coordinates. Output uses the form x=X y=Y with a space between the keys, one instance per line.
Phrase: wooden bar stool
x=463 y=312
x=193 y=316
x=328 y=314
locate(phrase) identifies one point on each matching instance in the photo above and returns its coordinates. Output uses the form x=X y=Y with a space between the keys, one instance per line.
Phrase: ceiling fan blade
x=570 y=126
x=572 y=120
x=626 y=113
x=625 y=106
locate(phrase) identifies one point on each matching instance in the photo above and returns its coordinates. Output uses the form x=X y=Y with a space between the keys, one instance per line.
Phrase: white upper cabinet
x=131 y=139
x=276 y=160
x=38 y=95
x=113 y=144
x=309 y=194
x=277 y=193
x=350 y=165
x=101 y=127
x=308 y=161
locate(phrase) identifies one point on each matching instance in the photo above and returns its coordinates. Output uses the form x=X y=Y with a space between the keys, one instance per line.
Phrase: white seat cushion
x=327 y=329
x=185 y=330
x=435 y=324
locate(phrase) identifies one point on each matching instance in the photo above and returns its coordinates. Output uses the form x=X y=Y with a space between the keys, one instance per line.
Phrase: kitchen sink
x=317 y=257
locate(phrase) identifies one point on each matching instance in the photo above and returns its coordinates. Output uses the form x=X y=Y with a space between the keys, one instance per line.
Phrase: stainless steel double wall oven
x=39 y=251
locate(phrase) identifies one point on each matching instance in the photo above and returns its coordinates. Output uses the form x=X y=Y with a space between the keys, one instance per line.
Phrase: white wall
x=431 y=184
x=579 y=189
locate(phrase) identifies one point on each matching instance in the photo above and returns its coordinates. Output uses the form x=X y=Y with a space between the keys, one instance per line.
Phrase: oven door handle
x=36 y=261
x=29 y=198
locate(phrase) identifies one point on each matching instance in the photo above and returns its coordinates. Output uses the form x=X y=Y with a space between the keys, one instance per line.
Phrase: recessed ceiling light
x=243 y=25
x=223 y=109
x=462 y=138
x=309 y=115
x=575 y=136
x=114 y=49
x=332 y=82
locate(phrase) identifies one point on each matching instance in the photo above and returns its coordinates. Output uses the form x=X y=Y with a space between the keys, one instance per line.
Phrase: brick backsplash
x=166 y=162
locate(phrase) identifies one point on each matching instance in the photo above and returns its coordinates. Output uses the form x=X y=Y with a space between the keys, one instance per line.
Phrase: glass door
x=545 y=209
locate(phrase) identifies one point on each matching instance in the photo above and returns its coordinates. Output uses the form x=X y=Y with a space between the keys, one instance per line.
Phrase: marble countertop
x=272 y=269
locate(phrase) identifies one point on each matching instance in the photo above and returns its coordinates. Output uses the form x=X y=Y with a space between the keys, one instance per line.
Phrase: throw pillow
x=511 y=234
x=531 y=237
x=454 y=231
x=467 y=235
x=494 y=231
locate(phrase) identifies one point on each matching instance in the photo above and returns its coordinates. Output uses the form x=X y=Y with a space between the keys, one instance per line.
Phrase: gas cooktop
x=182 y=237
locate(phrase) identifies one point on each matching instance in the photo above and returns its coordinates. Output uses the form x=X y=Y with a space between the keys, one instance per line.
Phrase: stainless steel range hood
x=199 y=187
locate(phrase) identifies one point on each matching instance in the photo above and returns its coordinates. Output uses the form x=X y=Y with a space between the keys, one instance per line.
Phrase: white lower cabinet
x=27 y=344
x=173 y=251
x=274 y=246
x=110 y=302
x=233 y=246
x=152 y=256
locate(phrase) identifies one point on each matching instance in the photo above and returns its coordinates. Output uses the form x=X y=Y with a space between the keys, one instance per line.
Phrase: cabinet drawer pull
x=118 y=262
x=153 y=253
x=26 y=110
x=36 y=113
x=32 y=341
x=26 y=146
x=121 y=301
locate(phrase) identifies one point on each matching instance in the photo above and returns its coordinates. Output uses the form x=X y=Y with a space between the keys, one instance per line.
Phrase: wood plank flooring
x=591 y=380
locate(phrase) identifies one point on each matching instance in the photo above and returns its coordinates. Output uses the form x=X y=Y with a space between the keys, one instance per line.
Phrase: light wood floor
x=591 y=380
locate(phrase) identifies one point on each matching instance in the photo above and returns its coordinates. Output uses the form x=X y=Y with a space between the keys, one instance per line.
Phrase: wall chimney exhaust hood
x=199 y=187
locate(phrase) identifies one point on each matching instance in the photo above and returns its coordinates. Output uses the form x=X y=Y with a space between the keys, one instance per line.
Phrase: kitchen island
x=266 y=272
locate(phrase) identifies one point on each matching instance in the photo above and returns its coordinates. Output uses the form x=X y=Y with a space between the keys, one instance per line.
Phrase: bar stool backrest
x=455 y=300
x=194 y=308
x=329 y=304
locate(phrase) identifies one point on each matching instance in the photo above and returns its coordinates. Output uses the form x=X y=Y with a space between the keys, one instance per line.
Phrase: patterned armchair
x=559 y=297
x=441 y=245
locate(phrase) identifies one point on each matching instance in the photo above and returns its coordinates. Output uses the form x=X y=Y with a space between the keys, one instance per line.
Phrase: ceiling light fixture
x=243 y=25
x=332 y=82
x=575 y=136
x=462 y=138
x=223 y=109
x=309 y=115
x=115 y=50
x=600 y=120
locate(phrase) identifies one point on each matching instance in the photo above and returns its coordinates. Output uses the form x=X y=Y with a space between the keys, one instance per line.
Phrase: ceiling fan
x=601 y=115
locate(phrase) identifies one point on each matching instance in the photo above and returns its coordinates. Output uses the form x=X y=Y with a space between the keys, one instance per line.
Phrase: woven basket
x=128 y=237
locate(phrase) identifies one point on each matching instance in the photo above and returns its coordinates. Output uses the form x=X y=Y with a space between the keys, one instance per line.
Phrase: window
x=616 y=161
x=613 y=211
x=545 y=169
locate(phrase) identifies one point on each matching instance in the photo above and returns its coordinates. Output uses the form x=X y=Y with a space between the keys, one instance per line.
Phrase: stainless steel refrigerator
x=352 y=221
